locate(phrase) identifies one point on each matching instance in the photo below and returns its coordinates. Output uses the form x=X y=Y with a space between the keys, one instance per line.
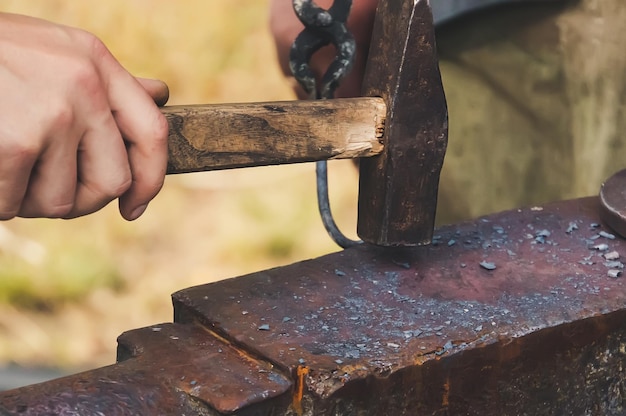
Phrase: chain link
x=321 y=28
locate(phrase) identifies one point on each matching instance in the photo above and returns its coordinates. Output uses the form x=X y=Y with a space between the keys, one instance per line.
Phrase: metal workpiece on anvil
x=374 y=331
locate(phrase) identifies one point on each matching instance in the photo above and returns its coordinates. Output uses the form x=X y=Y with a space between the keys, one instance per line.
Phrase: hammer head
x=398 y=189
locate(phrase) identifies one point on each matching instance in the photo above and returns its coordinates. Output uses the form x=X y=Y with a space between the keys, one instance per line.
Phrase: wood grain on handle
x=225 y=136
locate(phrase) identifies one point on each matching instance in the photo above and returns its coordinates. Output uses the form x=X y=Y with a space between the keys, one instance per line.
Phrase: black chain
x=321 y=28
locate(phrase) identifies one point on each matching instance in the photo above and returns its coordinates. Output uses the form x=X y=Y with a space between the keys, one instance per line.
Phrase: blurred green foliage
x=67 y=274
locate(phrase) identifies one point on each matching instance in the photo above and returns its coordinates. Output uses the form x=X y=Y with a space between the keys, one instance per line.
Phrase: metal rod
x=323 y=204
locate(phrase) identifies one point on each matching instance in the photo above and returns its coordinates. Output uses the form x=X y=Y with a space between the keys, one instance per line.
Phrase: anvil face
x=499 y=310
x=513 y=313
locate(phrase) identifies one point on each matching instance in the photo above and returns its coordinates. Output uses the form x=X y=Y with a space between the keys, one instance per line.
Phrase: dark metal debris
x=487 y=265
x=614 y=273
x=607 y=235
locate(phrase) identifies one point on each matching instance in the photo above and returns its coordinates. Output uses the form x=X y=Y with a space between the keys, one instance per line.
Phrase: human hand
x=285 y=27
x=76 y=129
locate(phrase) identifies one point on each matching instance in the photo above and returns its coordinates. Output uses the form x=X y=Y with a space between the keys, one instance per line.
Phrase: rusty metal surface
x=165 y=369
x=372 y=312
x=398 y=189
x=512 y=314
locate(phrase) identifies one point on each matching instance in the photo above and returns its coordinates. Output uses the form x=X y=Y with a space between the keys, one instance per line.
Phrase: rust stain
x=242 y=352
x=421 y=359
x=301 y=372
x=445 y=400
x=211 y=332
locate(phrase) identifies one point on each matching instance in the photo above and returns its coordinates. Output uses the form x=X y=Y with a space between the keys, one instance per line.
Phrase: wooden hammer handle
x=224 y=136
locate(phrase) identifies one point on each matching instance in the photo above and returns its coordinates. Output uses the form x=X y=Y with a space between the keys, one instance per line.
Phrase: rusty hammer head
x=398 y=189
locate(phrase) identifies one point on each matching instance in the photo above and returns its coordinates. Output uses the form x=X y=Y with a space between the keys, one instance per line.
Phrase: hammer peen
x=398 y=190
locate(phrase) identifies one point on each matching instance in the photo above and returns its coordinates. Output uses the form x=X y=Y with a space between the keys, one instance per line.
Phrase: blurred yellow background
x=69 y=288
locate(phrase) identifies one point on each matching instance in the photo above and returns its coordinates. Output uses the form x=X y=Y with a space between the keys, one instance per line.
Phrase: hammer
x=398 y=127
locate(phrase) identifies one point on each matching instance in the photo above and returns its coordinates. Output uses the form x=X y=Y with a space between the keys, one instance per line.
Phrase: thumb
x=157 y=89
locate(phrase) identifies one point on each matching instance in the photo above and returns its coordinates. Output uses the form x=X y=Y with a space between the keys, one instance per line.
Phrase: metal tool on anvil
x=402 y=90
x=402 y=120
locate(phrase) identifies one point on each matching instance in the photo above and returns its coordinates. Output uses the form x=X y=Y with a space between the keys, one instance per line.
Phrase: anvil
x=516 y=313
